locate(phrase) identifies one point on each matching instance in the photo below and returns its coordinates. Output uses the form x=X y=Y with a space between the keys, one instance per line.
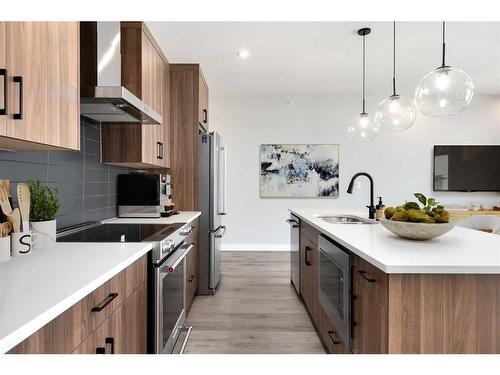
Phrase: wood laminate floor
x=254 y=311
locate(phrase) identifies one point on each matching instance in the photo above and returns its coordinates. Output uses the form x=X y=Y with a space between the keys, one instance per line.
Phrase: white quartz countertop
x=460 y=251
x=36 y=288
x=182 y=217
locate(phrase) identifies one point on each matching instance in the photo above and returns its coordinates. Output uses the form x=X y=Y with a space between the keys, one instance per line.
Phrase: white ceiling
x=312 y=58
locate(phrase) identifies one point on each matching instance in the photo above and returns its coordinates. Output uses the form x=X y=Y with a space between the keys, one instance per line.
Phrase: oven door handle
x=171 y=264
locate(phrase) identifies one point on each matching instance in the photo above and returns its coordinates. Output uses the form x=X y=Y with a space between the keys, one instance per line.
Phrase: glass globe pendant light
x=396 y=112
x=362 y=127
x=445 y=91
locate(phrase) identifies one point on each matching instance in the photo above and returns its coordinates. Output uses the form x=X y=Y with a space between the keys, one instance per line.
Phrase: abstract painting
x=300 y=171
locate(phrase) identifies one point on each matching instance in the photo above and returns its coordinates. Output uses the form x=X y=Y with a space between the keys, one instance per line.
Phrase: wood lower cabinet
x=370 y=323
x=309 y=258
x=329 y=335
x=123 y=332
x=192 y=264
x=406 y=313
x=41 y=62
x=117 y=310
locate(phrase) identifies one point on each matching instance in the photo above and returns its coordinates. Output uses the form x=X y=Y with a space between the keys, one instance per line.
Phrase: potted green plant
x=43 y=211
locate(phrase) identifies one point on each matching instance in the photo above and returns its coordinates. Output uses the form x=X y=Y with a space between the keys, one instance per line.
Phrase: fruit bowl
x=416 y=231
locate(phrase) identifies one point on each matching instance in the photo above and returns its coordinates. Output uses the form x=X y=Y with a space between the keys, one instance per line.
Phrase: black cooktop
x=120 y=233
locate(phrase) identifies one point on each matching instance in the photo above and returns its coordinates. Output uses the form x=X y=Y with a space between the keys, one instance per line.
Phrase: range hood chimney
x=102 y=95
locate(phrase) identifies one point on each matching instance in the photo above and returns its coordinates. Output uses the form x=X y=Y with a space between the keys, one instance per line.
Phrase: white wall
x=400 y=163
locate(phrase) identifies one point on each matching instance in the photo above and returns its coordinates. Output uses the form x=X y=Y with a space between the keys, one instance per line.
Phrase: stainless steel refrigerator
x=212 y=203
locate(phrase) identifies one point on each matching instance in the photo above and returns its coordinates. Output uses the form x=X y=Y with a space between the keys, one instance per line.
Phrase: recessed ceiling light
x=243 y=53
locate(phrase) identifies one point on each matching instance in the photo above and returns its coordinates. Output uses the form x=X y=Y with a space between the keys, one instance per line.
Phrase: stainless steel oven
x=334 y=282
x=170 y=300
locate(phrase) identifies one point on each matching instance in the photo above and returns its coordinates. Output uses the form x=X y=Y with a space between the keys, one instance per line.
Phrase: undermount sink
x=344 y=219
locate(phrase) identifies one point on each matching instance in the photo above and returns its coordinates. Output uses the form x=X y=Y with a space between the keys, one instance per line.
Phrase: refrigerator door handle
x=221 y=234
x=222 y=202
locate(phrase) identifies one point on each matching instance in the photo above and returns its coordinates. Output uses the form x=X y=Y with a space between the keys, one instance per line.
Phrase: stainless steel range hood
x=102 y=95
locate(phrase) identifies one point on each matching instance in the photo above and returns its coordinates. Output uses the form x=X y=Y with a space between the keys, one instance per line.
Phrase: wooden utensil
x=23 y=199
x=6 y=185
x=4 y=202
x=15 y=219
x=5 y=229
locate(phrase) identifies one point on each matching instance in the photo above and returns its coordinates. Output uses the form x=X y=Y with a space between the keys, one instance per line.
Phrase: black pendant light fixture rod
x=443 y=65
x=394 y=59
x=364 y=32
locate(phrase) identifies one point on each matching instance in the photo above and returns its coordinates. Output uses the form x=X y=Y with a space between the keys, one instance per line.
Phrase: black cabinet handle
x=19 y=115
x=205 y=116
x=111 y=342
x=363 y=275
x=100 y=350
x=4 y=110
x=158 y=150
x=105 y=302
x=308 y=262
x=161 y=149
x=332 y=337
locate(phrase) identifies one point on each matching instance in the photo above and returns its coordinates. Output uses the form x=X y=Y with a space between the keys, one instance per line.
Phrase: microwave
x=142 y=194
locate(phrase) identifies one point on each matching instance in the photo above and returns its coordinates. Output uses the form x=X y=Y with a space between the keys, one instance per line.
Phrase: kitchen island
x=436 y=296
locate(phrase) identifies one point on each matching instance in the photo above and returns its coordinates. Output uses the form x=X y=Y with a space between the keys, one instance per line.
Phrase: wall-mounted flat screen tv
x=467 y=168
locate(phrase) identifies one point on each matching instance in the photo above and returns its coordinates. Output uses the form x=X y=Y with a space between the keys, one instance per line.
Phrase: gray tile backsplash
x=87 y=188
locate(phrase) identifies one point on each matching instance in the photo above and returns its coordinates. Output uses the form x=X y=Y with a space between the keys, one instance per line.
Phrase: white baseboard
x=255 y=247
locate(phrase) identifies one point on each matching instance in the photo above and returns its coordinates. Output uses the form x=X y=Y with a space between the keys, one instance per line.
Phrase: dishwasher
x=294 y=252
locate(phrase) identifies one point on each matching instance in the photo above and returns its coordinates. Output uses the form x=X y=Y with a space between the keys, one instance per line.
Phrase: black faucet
x=371 y=207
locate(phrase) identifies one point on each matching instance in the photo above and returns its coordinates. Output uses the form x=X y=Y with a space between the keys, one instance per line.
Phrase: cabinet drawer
x=309 y=231
x=123 y=332
x=373 y=280
x=330 y=337
x=76 y=323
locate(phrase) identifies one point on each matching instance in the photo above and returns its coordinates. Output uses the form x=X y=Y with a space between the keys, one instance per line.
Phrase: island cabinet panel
x=331 y=340
x=40 y=62
x=309 y=259
x=373 y=280
x=369 y=323
x=66 y=332
x=444 y=314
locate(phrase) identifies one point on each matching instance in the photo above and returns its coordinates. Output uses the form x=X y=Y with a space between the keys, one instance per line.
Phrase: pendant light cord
x=394 y=59
x=444 y=44
x=364 y=53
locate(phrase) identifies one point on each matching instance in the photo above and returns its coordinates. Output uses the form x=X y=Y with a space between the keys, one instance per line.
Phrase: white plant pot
x=4 y=249
x=45 y=232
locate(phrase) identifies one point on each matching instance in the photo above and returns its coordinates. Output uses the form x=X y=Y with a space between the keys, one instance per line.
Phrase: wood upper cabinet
x=42 y=78
x=145 y=73
x=203 y=102
x=3 y=81
x=185 y=105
